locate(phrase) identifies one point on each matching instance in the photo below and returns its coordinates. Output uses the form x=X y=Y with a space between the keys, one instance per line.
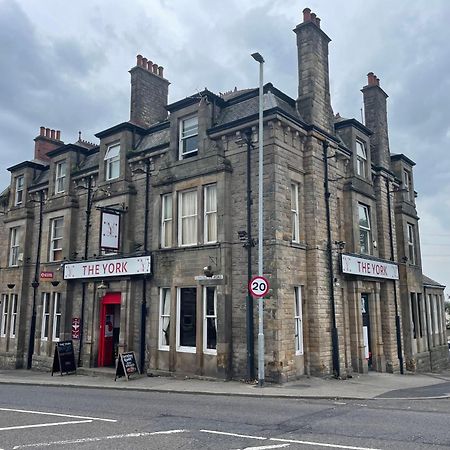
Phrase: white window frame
x=166 y=221
x=13 y=321
x=210 y=215
x=295 y=222
x=182 y=219
x=20 y=181
x=361 y=158
x=206 y=350
x=54 y=240
x=367 y=230
x=60 y=177
x=436 y=314
x=14 y=246
x=191 y=132
x=183 y=348
x=407 y=181
x=164 y=314
x=411 y=235
x=298 y=317
x=4 y=322
x=112 y=162
x=45 y=316
x=56 y=325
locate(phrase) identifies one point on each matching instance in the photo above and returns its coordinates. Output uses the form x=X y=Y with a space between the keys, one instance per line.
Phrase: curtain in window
x=211 y=213
x=165 y=316
x=189 y=218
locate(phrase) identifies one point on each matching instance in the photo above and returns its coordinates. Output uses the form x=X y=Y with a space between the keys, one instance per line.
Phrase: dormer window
x=112 y=162
x=60 y=177
x=19 y=190
x=361 y=159
x=188 y=137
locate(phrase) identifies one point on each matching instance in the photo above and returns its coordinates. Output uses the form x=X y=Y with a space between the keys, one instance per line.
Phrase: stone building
x=144 y=242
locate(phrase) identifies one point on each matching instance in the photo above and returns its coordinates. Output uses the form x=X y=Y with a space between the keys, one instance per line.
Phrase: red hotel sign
x=108 y=268
x=355 y=265
x=46 y=275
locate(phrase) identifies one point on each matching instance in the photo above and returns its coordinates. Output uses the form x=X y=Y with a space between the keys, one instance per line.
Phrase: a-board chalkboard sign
x=126 y=365
x=64 y=358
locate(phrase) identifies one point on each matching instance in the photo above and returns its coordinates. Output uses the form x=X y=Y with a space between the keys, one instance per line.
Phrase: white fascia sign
x=104 y=268
x=354 y=265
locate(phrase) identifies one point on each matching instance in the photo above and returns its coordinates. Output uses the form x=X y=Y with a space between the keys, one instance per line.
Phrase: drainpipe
x=144 y=280
x=86 y=250
x=35 y=285
x=334 y=330
x=397 y=317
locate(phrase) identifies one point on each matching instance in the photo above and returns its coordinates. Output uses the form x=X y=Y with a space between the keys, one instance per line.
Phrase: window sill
x=300 y=245
x=192 y=350
x=164 y=349
x=210 y=352
x=298 y=353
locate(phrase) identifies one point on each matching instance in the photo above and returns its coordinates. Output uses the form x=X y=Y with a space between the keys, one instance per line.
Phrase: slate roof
x=249 y=105
x=153 y=140
x=429 y=282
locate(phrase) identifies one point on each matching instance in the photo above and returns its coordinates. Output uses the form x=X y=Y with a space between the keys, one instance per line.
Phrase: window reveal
x=210 y=213
x=13 y=323
x=166 y=220
x=14 y=246
x=164 y=319
x=187 y=218
x=112 y=162
x=188 y=137
x=57 y=227
x=298 y=321
x=361 y=159
x=60 y=177
x=365 y=246
x=295 y=213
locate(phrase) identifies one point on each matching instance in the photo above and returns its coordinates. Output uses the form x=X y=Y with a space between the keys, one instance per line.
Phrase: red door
x=108 y=333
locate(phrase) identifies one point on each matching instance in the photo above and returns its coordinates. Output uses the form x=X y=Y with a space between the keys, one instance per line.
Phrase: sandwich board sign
x=126 y=365
x=64 y=358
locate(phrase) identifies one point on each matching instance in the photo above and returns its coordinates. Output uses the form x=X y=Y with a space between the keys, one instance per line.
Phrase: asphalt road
x=58 y=418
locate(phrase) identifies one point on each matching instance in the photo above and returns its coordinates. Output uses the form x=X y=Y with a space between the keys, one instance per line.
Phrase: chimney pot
x=42 y=131
x=47 y=132
x=58 y=135
x=161 y=71
x=149 y=65
x=377 y=80
x=52 y=134
x=318 y=22
x=371 y=79
x=306 y=15
x=144 y=63
x=313 y=17
x=155 y=68
x=139 y=60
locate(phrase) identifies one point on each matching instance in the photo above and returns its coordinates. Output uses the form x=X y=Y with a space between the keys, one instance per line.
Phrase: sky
x=64 y=65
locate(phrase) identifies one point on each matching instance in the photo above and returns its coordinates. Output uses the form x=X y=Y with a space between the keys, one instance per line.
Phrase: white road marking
x=98 y=439
x=56 y=414
x=321 y=444
x=267 y=447
x=234 y=434
x=40 y=425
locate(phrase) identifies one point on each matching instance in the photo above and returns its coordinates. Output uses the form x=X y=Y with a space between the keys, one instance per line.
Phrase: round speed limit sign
x=258 y=286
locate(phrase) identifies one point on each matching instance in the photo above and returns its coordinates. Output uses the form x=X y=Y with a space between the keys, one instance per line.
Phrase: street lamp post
x=35 y=285
x=257 y=57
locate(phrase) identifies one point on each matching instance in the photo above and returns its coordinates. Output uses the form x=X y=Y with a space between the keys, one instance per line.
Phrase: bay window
x=4 y=323
x=164 y=318
x=56 y=316
x=13 y=321
x=56 y=237
x=14 y=245
x=19 y=190
x=361 y=159
x=112 y=162
x=187 y=319
x=45 y=316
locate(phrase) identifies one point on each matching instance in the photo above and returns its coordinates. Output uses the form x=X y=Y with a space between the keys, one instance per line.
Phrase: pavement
x=373 y=385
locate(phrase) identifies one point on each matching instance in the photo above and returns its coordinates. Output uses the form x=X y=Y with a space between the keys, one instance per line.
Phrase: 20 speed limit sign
x=258 y=286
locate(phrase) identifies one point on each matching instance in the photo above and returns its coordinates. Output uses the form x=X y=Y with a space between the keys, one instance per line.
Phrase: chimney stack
x=313 y=102
x=47 y=141
x=149 y=93
x=375 y=112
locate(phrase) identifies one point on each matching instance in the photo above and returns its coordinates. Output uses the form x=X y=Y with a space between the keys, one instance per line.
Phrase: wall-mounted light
x=55 y=283
x=208 y=271
x=35 y=284
x=102 y=286
x=11 y=285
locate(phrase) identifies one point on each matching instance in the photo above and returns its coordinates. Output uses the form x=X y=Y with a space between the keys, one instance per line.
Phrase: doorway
x=366 y=329
x=109 y=329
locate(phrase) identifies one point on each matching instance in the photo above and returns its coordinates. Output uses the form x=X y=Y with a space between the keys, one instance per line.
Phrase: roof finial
x=79 y=136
